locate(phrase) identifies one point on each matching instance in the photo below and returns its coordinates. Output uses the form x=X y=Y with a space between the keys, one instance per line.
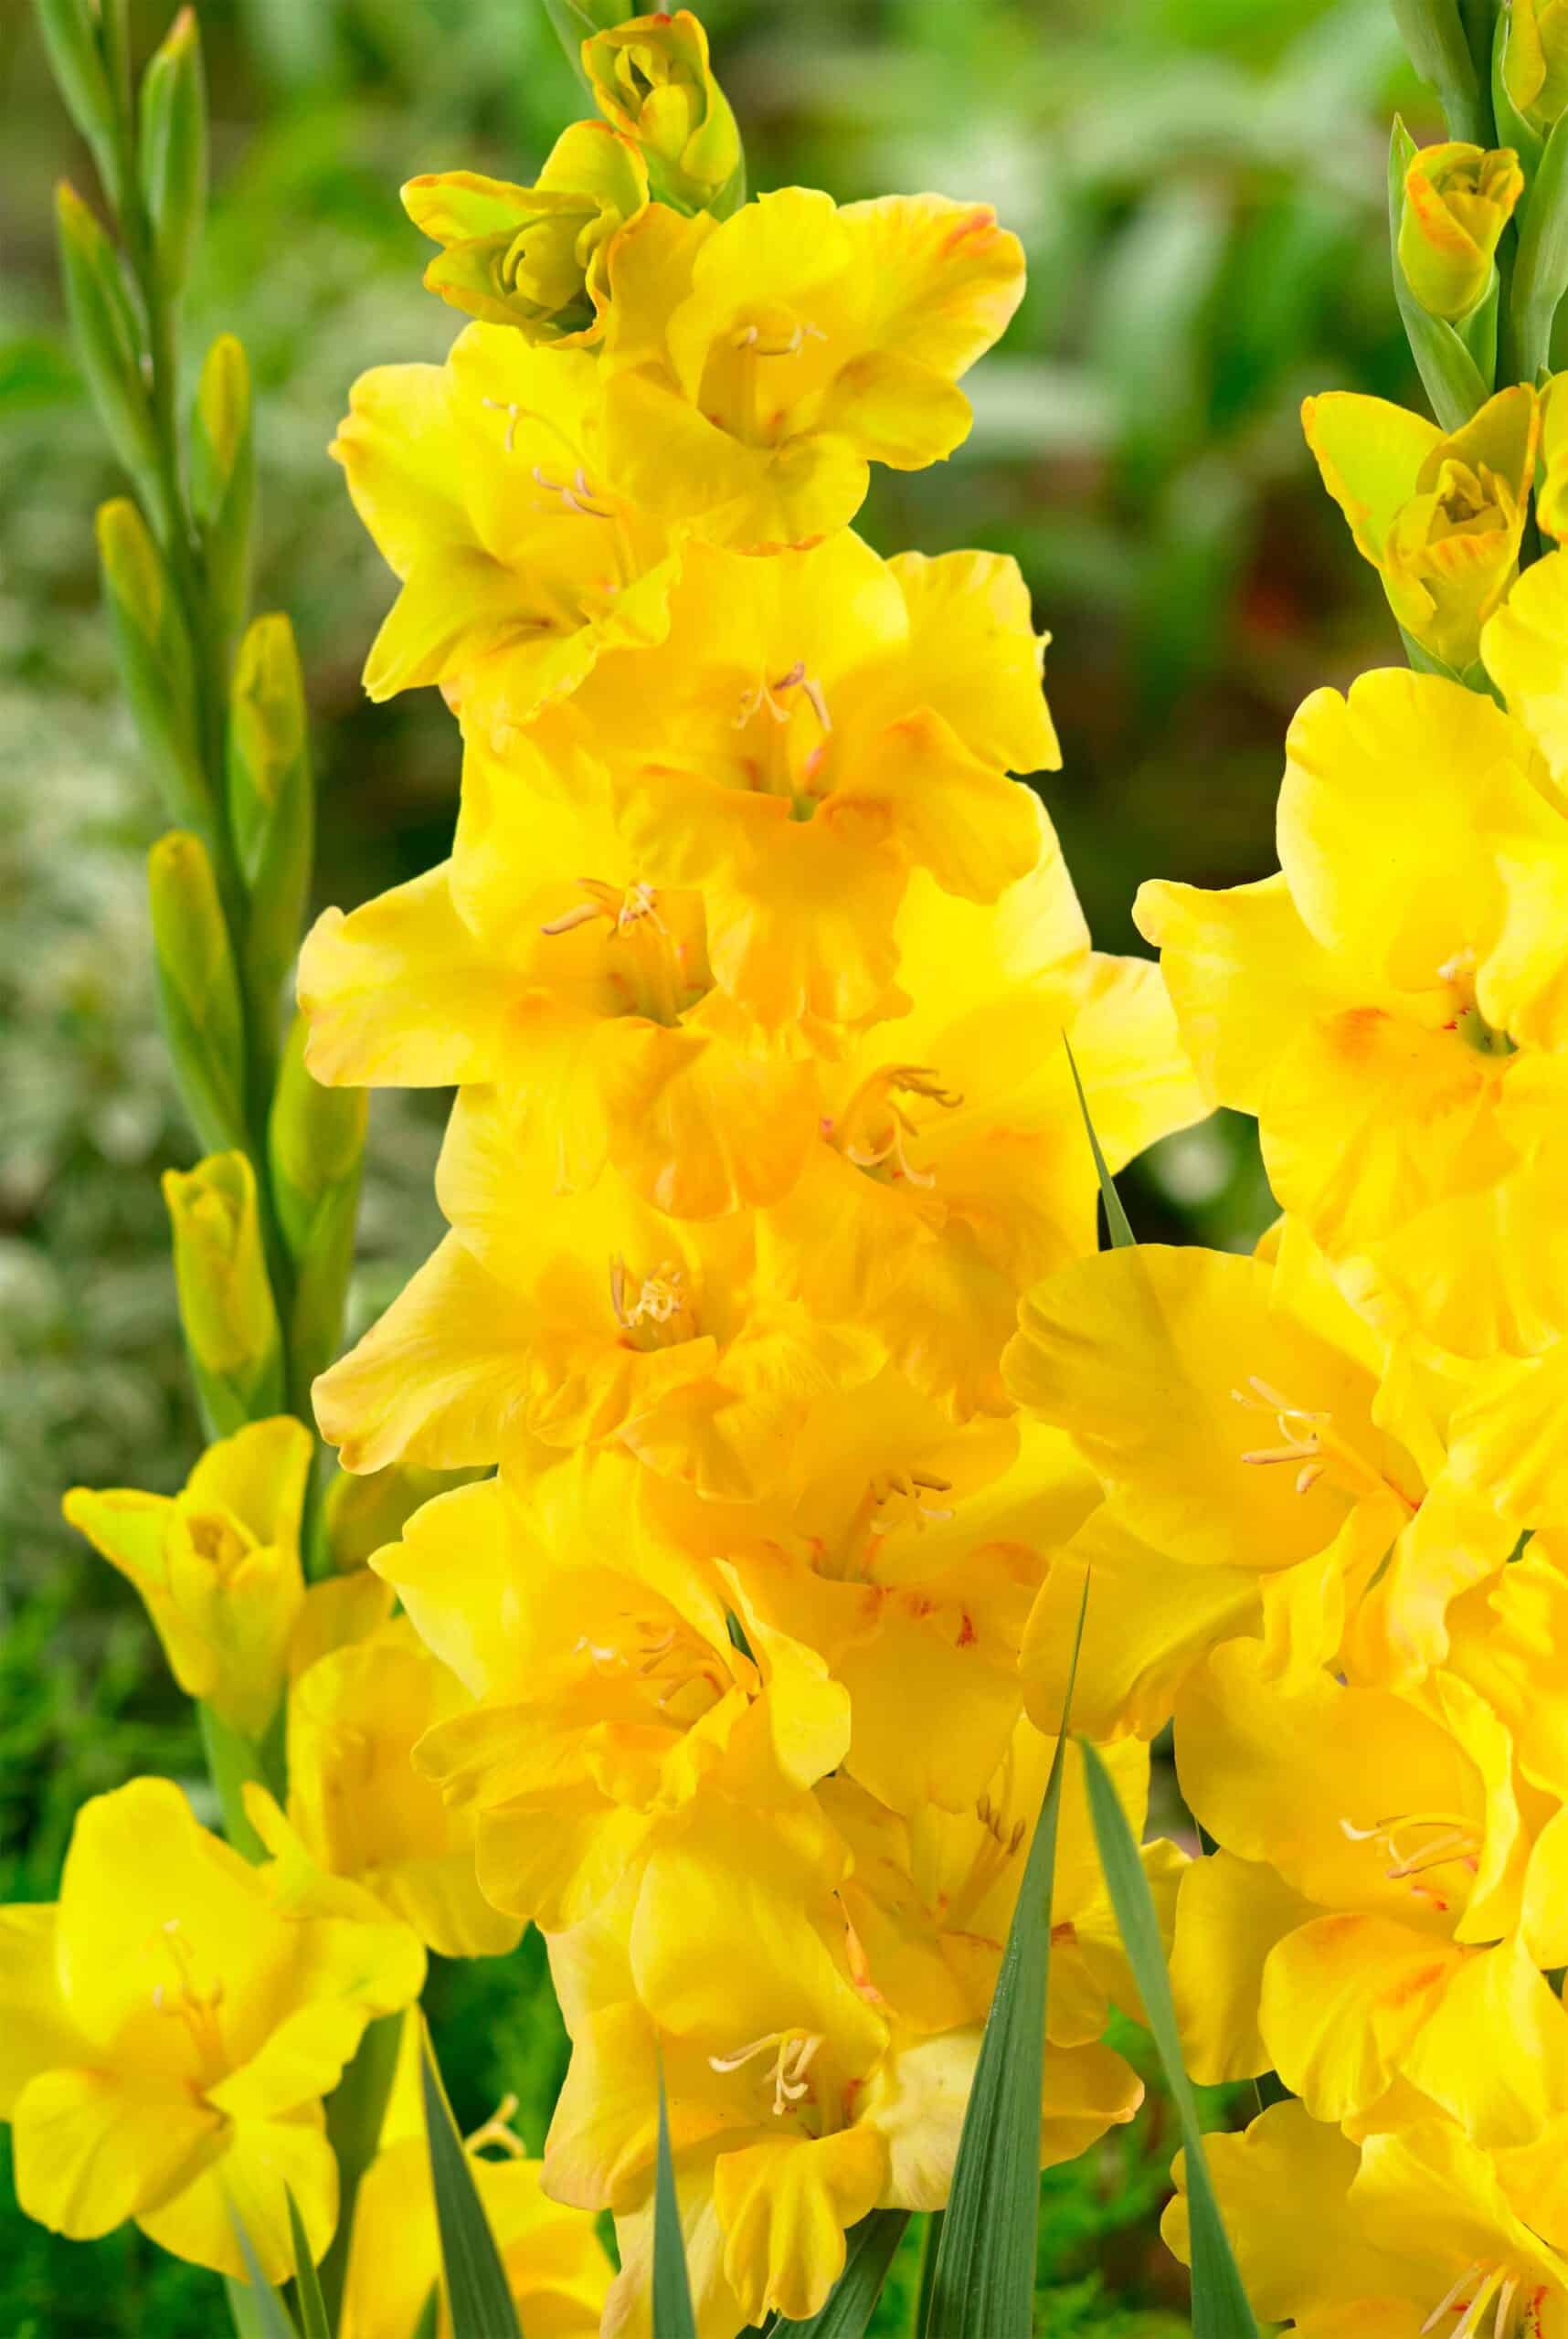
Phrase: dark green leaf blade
x=984 y=2282
x=307 y=2283
x=1122 y=1237
x=672 y=2316
x=1220 y=2306
x=478 y=2294
x=853 y=2299
x=255 y=2300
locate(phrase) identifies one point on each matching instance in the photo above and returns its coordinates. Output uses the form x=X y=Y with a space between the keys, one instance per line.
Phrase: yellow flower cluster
x=1333 y=1475
x=751 y=966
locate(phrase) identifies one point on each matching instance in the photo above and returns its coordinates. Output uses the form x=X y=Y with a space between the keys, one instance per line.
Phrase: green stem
x=233 y=1763
x=355 y=2114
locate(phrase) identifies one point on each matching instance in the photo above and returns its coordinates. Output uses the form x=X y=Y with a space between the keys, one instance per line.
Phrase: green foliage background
x=1200 y=185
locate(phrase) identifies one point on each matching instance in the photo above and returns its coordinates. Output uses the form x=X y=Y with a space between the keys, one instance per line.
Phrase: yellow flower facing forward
x=359 y=1807
x=541 y=962
x=1409 y=1867
x=218 y=1565
x=1390 y=1007
x=582 y=1320
x=533 y=256
x=652 y=80
x=554 y=2268
x=609 y=1681
x=725 y=1963
x=1535 y=60
x=1419 y=2231
x=1457 y=201
x=482 y=482
x=905 y=1554
x=173 y=2023
x=816 y=727
x=1440 y=517
x=760 y=367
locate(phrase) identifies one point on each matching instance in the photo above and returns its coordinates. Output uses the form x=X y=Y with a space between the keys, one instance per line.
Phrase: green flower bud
x=73 y=44
x=1457 y=201
x=271 y=810
x=156 y=660
x=223 y=480
x=652 y=80
x=174 y=148
x=1535 y=60
x=108 y=339
x=226 y=1300
x=198 y=989
x=315 y=1143
x=361 y=1514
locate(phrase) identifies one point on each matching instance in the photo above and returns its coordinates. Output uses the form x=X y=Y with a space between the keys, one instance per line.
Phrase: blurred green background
x=1200 y=185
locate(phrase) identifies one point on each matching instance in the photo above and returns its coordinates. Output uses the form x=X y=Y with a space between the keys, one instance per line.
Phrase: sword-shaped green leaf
x=1122 y=1237
x=852 y=2301
x=479 y=2296
x=307 y=2282
x=672 y=2316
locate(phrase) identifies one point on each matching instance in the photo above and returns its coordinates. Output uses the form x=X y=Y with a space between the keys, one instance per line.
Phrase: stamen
x=497 y=2130
x=1448 y=2298
x=513 y=412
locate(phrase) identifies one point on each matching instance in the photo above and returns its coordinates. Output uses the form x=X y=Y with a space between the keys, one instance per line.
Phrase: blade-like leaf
x=984 y=2283
x=307 y=2283
x=258 y=2312
x=479 y=2296
x=1220 y=2307
x=1122 y=1237
x=853 y=2299
x=672 y=2316
x=429 y=2315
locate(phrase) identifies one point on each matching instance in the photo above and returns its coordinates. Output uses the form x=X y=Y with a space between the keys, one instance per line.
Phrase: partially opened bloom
x=533 y=256
x=554 y=2267
x=1399 y=1825
x=218 y=1565
x=652 y=80
x=173 y=2023
x=1457 y=201
x=760 y=367
x=1391 y=1007
x=608 y=1683
x=482 y=481
x=357 y=1803
x=1417 y=2231
x=1440 y=516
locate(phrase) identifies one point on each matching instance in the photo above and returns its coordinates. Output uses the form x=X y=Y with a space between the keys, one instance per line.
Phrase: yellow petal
x=262 y=2163
x=95 y=2147
x=1370 y=454
x=1229 y=1914
x=785 y=2207
x=1344 y=2000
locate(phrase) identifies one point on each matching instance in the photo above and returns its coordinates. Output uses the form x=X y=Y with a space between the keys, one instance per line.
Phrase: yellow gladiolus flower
x=1457 y=201
x=533 y=256
x=482 y=481
x=554 y=2268
x=815 y=728
x=579 y=1319
x=1391 y=1006
x=1440 y=517
x=359 y=1806
x=1420 y=2230
x=1535 y=59
x=760 y=367
x=175 y=2019
x=218 y=1565
x=652 y=80
x=580 y=1742
x=540 y=962
x=1402 y=1828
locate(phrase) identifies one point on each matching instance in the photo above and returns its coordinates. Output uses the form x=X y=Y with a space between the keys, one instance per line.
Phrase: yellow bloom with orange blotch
x=173 y=2024
x=539 y=962
x=606 y=1682
x=218 y=1565
x=1391 y=1006
x=482 y=481
x=1399 y=1974
x=578 y=1320
x=759 y=367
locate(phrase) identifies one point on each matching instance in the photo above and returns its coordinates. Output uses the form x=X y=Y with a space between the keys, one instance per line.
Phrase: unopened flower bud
x=651 y=78
x=1535 y=60
x=198 y=989
x=315 y=1140
x=172 y=108
x=1457 y=201
x=226 y=1299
